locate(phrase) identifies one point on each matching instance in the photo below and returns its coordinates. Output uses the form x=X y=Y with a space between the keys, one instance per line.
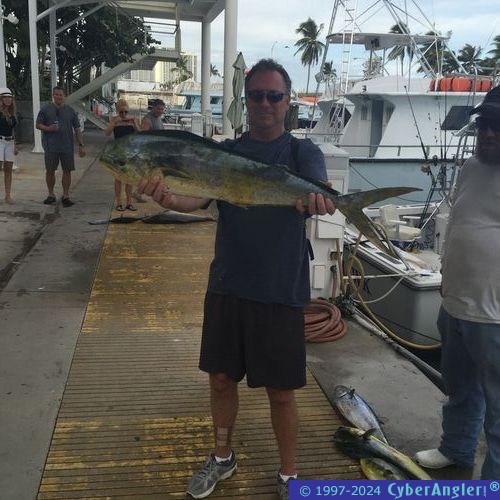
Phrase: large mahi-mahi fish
x=193 y=166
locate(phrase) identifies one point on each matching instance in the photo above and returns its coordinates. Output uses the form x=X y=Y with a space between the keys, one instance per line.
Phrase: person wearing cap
x=58 y=122
x=152 y=121
x=7 y=139
x=469 y=319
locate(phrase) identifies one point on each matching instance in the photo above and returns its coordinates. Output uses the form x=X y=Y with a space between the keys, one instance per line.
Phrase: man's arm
x=79 y=139
x=146 y=124
x=311 y=162
x=160 y=193
x=41 y=120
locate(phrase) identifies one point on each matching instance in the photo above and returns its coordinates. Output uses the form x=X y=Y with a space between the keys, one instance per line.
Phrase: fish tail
x=351 y=205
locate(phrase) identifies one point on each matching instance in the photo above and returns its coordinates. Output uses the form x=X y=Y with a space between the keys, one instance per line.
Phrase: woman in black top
x=7 y=141
x=121 y=125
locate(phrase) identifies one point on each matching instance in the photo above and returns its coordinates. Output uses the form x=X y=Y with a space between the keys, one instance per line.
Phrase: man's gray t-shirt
x=156 y=123
x=261 y=252
x=471 y=270
x=61 y=141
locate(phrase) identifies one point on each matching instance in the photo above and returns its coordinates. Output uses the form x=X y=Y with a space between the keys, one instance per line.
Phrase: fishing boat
x=188 y=94
x=398 y=129
x=392 y=121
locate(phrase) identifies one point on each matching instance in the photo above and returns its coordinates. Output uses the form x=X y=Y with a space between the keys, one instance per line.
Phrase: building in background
x=139 y=85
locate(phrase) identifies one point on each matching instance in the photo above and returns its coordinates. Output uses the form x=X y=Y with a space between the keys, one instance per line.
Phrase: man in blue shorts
x=57 y=121
x=258 y=284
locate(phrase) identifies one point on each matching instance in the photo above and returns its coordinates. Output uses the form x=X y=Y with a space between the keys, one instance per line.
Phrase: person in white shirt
x=469 y=319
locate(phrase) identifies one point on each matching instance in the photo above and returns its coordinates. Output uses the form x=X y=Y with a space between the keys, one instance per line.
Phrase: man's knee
x=280 y=397
x=221 y=382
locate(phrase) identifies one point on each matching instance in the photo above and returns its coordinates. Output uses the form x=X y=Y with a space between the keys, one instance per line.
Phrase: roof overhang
x=188 y=10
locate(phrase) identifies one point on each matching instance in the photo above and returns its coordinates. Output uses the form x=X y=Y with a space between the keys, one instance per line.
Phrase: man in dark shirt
x=258 y=285
x=57 y=122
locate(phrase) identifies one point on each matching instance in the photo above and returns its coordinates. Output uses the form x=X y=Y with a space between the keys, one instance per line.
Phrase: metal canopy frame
x=203 y=11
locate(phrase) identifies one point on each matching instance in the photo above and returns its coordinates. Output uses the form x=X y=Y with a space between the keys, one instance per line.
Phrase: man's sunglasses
x=125 y=112
x=483 y=123
x=273 y=96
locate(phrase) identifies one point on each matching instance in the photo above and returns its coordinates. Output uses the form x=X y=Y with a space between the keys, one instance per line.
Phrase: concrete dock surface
x=48 y=260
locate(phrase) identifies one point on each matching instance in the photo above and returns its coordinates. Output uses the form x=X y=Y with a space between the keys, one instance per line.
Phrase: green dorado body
x=362 y=444
x=193 y=166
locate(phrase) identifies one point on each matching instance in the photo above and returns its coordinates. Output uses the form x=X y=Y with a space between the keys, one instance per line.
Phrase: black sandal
x=119 y=208
x=66 y=202
x=49 y=200
x=130 y=207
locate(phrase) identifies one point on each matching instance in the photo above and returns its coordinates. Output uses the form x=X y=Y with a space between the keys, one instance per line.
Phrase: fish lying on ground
x=379 y=469
x=360 y=444
x=193 y=166
x=357 y=411
x=167 y=217
x=173 y=217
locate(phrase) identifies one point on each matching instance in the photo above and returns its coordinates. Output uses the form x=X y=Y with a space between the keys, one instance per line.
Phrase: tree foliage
x=181 y=67
x=106 y=37
x=309 y=45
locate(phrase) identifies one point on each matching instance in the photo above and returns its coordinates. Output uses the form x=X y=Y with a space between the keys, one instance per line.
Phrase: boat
x=397 y=130
x=189 y=95
x=389 y=121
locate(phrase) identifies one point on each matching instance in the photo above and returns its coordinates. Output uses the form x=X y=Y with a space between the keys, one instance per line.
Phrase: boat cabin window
x=457 y=117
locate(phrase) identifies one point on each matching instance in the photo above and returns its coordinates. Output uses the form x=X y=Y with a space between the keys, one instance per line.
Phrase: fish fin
x=351 y=206
x=351 y=393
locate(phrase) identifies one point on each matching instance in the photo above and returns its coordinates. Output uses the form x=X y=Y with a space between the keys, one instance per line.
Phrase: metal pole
x=3 y=73
x=205 y=67
x=53 y=53
x=35 y=83
x=230 y=44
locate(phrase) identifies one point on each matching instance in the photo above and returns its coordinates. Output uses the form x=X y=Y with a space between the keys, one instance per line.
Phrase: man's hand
x=81 y=151
x=52 y=128
x=158 y=191
x=317 y=204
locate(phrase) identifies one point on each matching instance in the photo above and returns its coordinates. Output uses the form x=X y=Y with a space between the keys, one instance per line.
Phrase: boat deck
x=134 y=421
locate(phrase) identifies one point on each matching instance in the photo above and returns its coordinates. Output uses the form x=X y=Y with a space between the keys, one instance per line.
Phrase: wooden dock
x=134 y=420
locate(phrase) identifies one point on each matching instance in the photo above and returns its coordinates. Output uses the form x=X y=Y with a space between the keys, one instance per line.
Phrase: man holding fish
x=258 y=284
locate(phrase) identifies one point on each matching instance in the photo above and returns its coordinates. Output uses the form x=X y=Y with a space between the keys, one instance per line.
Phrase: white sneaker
x=432 y=459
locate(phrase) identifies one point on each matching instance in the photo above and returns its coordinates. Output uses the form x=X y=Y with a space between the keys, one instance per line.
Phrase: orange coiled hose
x=323 y=322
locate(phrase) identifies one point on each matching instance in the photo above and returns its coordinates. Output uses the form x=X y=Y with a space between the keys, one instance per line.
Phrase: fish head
x=341 y=391
x=124 y=158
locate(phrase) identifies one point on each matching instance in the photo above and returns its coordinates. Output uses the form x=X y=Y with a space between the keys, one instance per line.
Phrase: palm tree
x=450 y=64
x=433 y=53
x=490 y=64
x=309 y=45
x=329 y=74
x=495 y=51
x=470 y=57
x=214 y=71
x=399 y=50
x=181 y=67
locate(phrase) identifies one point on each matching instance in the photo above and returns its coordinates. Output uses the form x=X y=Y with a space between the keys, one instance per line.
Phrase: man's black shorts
x=264 y=341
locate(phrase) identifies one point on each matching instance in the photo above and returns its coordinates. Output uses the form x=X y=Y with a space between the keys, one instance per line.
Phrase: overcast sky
x=267 y=27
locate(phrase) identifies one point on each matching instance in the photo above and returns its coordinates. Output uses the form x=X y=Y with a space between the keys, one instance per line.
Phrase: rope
x=358 y=287
x=323 y=322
